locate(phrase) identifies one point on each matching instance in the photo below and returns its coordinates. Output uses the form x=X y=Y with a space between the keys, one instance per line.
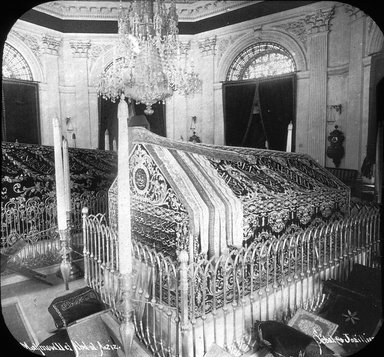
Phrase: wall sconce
x=194 y=138
x=68 y=123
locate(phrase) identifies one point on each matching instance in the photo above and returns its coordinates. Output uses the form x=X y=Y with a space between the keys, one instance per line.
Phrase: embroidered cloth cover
x=223 y=196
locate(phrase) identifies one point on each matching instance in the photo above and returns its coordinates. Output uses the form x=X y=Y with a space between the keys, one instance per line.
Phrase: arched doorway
x=259 y=97
x=20 y=99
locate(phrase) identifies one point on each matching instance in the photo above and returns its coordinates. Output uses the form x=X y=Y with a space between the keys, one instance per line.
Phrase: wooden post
x=184 y=292
x=127 y=328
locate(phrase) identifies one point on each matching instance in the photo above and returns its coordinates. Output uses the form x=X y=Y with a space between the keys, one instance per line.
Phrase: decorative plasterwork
x=31 y=41
x=225 y=43
x=50 y=44
x=297 y=29
x=319 y=21
x=185 y=47
x=313 y=23
x=187 y=10
x=207 y=46
x=80 y=48
x=353 y=12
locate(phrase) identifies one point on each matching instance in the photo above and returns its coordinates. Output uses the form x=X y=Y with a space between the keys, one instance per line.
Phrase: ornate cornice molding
x=50 y=44
x=207 y=46
x=190 y=10
x=80 y=48
x=353 y=12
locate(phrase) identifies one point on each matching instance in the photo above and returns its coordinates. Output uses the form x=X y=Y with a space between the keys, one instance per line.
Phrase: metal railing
x=35 y=222
x=182 y=307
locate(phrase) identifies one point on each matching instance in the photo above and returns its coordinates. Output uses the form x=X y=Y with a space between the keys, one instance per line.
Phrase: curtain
x=375 y=101
x=156 y=120
x=246 y=127
x=238 y=99
x=20 y=116
x=108 y=119
x=276 y=101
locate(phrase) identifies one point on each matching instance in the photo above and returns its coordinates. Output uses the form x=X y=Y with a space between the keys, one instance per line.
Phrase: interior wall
x=331 y=43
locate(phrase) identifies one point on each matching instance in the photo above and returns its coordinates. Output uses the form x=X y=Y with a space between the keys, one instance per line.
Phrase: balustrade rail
x=182 y=308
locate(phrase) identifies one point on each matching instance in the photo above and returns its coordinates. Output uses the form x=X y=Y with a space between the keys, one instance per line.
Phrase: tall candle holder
x=69 y=271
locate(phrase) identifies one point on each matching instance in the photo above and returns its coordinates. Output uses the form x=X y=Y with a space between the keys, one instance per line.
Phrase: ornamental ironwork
x=14 y=64
x=263 y=59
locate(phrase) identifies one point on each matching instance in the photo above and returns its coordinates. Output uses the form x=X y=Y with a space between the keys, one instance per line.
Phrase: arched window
x=260 y=60
x=20 y=99
x=14 y=64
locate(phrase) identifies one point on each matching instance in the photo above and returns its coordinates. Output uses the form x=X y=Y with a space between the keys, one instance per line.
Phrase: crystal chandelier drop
x=150 y=62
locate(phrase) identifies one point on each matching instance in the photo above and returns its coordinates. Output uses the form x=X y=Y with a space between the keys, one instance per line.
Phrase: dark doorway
x=108 y=120
x=20 y=115
x=257 y=112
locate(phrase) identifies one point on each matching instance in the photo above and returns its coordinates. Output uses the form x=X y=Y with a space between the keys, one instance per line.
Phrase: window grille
x=264 y=59
x=14 y=65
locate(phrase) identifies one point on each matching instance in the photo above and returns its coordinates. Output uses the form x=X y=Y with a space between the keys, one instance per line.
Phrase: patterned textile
x=74 y=306
x=28 y=171
x=225 y=196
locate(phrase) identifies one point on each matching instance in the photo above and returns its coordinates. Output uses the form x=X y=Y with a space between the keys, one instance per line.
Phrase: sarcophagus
x=206 y=198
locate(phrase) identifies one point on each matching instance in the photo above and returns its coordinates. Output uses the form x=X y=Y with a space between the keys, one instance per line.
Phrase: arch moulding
x=375 y=40
x=101 y=62
x=29 y=56
x=248 y=39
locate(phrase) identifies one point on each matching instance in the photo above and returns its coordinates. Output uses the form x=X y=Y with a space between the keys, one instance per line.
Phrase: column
x=317 y=29
x=49 y=92
x=218 y=135
x=207 y=49
x=80 y=68
x=353 y=130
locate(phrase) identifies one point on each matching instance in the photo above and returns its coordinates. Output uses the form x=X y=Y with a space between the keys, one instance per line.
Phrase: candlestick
x=67 y=177
x=59 y=176
x=106 y=140
x=124 y=227
x=289 y=137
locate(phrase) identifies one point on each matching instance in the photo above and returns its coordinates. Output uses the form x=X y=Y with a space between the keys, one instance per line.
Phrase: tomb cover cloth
x=280 y=191
x=158 y=173
x=28 y=172
x=272 y=193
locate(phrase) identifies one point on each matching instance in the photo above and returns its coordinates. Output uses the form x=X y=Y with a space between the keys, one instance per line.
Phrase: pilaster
x=207 y=47
x=317 y=25
x=353 y=130
x=49 y=49
x=83 y=120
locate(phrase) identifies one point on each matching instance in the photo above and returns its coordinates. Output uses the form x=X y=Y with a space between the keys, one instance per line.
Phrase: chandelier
x=150 y=62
